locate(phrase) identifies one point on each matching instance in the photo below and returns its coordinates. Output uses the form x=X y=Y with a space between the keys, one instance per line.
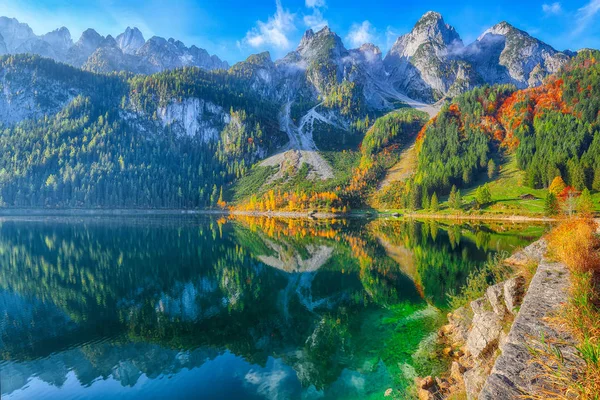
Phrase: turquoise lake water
x=195 y=307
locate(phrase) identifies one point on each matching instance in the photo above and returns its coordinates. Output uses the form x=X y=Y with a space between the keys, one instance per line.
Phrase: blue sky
x=234 y=29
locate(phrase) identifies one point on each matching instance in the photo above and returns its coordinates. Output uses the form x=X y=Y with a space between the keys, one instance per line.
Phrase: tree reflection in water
x=286 y=308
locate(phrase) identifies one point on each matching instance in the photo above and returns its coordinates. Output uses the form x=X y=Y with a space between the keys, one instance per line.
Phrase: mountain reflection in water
x=156 y=307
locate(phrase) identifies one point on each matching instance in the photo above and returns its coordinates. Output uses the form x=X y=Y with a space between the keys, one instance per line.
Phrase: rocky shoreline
x=490 y=341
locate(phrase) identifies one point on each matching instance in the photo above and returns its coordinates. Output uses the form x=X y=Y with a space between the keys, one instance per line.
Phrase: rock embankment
x=496 y=333
x=514 y=374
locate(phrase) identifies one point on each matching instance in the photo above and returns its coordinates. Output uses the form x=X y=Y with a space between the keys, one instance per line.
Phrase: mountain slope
x=550 y=131
x=505 y=54
x=319 y=127
x=79 y=139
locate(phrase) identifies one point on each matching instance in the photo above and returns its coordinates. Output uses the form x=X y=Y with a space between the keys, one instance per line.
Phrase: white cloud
x=585 y=15
x=391 y=35
x=315 y=21
x=552 y=9
x=360 y=34
x=314 y=3
x=274 y=32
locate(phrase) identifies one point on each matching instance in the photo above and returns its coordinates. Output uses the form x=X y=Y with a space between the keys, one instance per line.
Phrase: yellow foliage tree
x=557 y=186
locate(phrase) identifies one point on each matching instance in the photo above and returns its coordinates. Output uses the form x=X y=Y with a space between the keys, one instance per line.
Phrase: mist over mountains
x=427 y=64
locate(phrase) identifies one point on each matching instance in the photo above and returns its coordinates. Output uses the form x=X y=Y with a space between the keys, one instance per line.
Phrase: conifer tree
x=551 y=206
x=585 y=204
x=434 y=204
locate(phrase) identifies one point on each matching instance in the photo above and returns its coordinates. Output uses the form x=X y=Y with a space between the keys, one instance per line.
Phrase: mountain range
x=125 y=122
x=129 y=51
x=427 y=64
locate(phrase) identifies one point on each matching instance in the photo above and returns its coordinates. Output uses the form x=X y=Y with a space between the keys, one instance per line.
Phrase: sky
x=234 y=29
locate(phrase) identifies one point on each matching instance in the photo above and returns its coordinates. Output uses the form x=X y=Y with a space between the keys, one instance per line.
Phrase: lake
x=243 y=308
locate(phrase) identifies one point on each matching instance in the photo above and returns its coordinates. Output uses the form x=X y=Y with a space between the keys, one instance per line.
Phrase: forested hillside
x=191 y=138
x=112 y=143
x=553 y=131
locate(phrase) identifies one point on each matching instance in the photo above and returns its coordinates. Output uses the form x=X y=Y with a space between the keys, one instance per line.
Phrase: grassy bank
x=510 y=197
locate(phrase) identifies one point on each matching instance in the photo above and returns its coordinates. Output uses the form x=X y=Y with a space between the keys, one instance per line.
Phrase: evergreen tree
x=415 y=199
x=585 y=204
x=491 y=169
x=452 y=197
x=458 y=202
x=551 y=206
x=596 y=182
x=425 y=199
x=434 y=204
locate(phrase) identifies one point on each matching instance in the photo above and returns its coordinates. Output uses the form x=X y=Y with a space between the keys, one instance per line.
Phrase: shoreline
x=45 y=212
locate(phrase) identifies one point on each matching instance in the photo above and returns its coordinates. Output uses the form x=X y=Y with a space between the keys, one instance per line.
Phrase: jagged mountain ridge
x=128 y=52
x=429 y=63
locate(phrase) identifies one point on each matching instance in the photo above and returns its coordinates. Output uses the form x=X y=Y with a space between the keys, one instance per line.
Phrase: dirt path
x=404 y=168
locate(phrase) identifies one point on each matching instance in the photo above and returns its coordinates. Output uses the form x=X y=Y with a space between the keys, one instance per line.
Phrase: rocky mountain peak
x=370 y=48
x=430 y=18
x=502 y=29
x=323 y=44
x=14 y=33
x=430 y=30
x=261 y=59
x=90 y=37
x=130 y=40
x=370 y=52
x=432 y=27
x=306 y=38
x=59 y=39
x=109 y=41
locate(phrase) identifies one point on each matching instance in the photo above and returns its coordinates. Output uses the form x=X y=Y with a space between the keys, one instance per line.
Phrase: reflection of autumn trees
x=356 y=250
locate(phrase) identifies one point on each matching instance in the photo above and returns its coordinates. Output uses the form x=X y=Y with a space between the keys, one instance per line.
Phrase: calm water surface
x=157 y=307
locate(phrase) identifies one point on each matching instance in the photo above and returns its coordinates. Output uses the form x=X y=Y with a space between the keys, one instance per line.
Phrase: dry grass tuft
x=575 y=243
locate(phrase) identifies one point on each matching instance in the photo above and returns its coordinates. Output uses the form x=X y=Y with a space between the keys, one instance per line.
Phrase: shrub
x=575 y=243
x=483 y=195
x=492 y=272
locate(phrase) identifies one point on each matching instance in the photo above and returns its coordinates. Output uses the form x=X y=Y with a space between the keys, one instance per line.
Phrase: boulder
x=480 y=306
x=425 y=388
x=461 y=321
x=532 y=253
x=474 y=380
x=457 y=371
x=495 y=295
x=514 y=291
x=484 y=335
